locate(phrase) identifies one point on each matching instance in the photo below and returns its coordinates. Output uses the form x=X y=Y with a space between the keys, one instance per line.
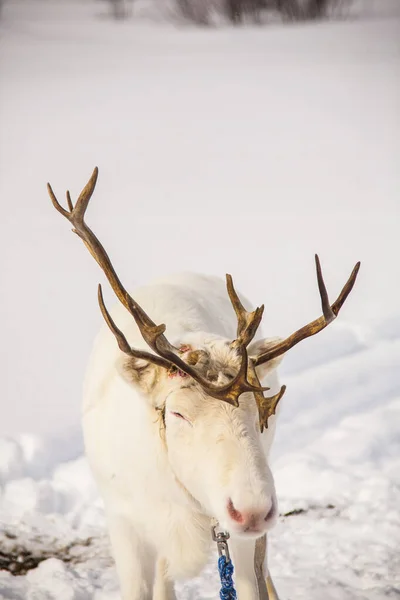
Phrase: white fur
x=161 y=487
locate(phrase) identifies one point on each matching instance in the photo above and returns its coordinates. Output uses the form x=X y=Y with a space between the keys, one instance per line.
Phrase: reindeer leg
x=164 y=588
x=134 y=560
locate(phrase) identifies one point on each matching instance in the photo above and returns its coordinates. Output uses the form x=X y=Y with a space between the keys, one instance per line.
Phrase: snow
x=215 y=147
x=336 y=464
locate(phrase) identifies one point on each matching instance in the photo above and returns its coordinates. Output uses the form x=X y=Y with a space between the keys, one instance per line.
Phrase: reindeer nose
x=234 y=514
x=251 y=520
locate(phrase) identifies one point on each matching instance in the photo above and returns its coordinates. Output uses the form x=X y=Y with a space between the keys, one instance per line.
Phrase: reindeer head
x=208 y=391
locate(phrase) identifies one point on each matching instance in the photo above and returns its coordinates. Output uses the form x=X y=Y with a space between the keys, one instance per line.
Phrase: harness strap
x=225 y=565
x=225 y=568
x=266 y=588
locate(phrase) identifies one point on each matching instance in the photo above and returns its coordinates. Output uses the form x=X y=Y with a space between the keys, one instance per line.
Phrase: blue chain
x=225 y=568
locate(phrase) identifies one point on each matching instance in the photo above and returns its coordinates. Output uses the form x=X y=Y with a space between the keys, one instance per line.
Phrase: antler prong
x=318 y=324
x=69 y=201
x=348 y=286
x=84 y=198
x=122 y=341
x=56 y=203
x=326 y=307
x=267 y=407
x=248 y=322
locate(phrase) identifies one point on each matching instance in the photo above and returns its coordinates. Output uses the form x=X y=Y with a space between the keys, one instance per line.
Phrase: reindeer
x=178 y=433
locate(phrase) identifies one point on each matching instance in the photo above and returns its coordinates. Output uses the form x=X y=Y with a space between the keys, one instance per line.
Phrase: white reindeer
x=175 y=436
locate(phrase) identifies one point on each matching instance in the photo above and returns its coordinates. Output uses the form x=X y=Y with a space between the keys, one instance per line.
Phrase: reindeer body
x=180 y=435
x=155 y=524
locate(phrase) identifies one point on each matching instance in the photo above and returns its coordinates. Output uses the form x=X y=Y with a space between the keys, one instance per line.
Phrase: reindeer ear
x=138 y=372
x=261 y=346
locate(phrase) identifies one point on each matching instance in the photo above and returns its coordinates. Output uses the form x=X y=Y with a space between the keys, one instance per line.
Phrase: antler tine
x=121 y=339
x=326 y=308
x=341 y=299
x=237 y=305
x=153 y=334
x=76 y=213
x=76 y=216
x=248 y=322
x=69 y=201
x=266 y=405
x=84 y=198
x=56 y=203
x=330 y=312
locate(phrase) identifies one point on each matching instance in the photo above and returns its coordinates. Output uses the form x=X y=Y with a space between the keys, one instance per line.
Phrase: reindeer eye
x=181 y=417
x=176 y=414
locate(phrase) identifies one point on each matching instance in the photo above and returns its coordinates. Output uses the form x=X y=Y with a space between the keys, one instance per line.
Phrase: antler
x=330 y=313
x=152 y=334
x=165 y=355
x=248 y=322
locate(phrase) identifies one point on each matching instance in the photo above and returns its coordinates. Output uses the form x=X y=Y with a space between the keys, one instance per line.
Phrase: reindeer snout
x=252 y=519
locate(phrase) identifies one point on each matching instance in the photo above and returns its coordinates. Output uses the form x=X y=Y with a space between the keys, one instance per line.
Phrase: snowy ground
x=337 y=467
x=271 y=143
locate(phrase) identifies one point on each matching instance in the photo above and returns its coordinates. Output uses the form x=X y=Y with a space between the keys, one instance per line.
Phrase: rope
x=225 y=568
